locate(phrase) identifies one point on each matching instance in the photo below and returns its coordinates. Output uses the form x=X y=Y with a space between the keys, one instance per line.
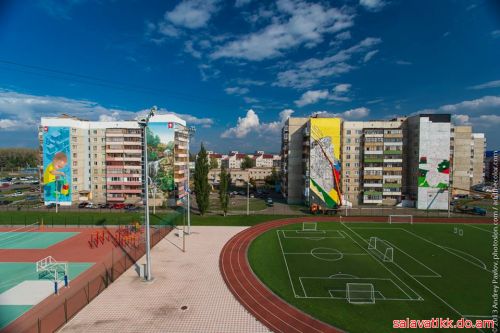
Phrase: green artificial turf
x=435 y=272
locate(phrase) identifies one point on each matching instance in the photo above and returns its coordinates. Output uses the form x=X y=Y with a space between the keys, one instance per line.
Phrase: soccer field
x=362 y=276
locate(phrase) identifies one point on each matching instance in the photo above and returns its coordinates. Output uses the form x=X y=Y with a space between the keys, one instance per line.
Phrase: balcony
x=391 y=185
x=393 y=152
x=373 y=160
x=372 y=184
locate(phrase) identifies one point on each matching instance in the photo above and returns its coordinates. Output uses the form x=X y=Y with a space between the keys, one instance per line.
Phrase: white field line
x=436 y=274
x=431 y=242
x=286 y=264
x=473 y=226
x=382 y=264
x=423 y=285
x=467 y=254
x=453 y=253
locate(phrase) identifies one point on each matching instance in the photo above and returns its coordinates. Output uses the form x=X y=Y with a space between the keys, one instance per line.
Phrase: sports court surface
x=22 y=287
x=350 y=274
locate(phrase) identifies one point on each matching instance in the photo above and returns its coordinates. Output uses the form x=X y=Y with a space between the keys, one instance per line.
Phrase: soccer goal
x=309 y=226
x=401 y=219
x=383 y=250
x=360 y=293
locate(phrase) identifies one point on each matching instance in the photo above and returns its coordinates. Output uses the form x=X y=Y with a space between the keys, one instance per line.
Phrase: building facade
x=100 y=162
x=386 y=162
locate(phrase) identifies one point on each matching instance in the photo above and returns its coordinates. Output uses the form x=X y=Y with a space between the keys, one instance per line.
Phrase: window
x=348 y=140
x=95 y=131
x=96 y=187
x=75 y=179
x=75 y=187
x=95 y=139
x=74 y=155
x=95 y=147
x=348 y=148
x=75 y=163
x=348 y=164
x=73 y=130
x=348 y=156
x=348 y=131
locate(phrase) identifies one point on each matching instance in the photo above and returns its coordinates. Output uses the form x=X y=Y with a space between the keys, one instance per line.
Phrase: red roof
x=215 y=155
x=267 y=156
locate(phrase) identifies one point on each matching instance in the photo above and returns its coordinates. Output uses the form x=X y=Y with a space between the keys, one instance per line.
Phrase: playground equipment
x=128 y=235
x=56 y=271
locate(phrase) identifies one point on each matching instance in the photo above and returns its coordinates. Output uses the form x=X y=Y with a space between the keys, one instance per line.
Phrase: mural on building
x=161 y=157
x=434 y=164
x=56 y=165
x=324 y=179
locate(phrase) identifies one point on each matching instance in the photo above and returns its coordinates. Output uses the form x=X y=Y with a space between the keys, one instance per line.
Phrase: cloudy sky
x=237 y=69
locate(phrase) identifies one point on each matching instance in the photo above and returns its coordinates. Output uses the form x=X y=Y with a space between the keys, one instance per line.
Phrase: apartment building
x=102 y=161
x=468 y=150
x=240 y=177
x=294 y=141
x=382 y=162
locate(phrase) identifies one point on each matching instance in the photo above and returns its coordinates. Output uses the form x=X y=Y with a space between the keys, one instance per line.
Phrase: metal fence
x=52 y=313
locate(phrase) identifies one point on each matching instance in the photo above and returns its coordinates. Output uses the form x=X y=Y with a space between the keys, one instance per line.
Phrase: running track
x=262 y=303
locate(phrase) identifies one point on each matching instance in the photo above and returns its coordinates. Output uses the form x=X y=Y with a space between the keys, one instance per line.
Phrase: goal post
x=360 y=293
x=382 y=249
x=400 y=219
x=309 y=226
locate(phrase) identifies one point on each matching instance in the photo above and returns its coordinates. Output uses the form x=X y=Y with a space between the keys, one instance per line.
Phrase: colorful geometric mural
x=56 y=165
x=160 y=136
x=325 y=163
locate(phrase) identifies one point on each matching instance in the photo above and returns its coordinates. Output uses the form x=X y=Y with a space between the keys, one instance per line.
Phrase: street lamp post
x=143 y=122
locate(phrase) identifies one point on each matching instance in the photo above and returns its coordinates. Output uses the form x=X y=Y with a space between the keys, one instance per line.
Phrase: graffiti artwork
x=325 y=163
x=56 y=165
x=160 y=136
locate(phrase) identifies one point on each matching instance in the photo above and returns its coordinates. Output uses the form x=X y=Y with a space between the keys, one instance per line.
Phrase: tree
x=213 y=163
x=247 y=163
x=201 y=186
x=225 y=180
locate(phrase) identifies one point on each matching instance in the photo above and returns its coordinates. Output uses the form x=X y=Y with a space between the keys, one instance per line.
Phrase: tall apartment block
x=468 y=152
x=382 y=162
x=100 y=161
x=293 y=146
x=372 y=161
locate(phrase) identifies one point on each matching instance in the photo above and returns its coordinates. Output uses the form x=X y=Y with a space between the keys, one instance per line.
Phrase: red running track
x=260 y=301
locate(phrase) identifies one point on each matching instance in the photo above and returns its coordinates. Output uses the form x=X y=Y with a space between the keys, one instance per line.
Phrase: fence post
x=66 y=310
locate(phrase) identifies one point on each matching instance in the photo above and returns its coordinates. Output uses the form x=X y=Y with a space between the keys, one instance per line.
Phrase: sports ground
x=33 y=258
x=333 y=276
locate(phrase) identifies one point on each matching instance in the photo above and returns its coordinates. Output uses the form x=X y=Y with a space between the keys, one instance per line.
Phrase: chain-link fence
x=52 y=313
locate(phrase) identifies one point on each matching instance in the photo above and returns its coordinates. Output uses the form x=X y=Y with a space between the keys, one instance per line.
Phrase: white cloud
x=23 y=111
x=192 y=14
x=486 y=85
x=241 y=3
x=236 y=90
x=250 y=100
x=251 y=123
x=189 y=48
x=460 y=119
x=311 y=97
x=479 y=105
x=249 y=82
x=495 y=33
x=369 y=55
x=352 y=114
x=342 y=88
x=309 y=72
x=297 y=23
x=372 y=5
x=343 y=35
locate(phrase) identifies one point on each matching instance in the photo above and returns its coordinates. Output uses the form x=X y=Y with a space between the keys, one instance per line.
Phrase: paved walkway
x=189 y=279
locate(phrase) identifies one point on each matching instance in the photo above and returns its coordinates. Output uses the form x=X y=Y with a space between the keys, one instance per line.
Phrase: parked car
x=4 y=202
x=269 y=202
x=90 y=205
x=131 y=208
x=119 y=206
x=52 y=205
x=104 y=205
x=83 y=204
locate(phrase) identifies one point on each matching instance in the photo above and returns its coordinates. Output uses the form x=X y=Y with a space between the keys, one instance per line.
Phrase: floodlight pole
x=143 y=122
x=191 y=131
x=248 y=196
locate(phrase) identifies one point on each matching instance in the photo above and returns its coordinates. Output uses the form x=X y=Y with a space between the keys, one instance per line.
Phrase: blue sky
x=237 y=69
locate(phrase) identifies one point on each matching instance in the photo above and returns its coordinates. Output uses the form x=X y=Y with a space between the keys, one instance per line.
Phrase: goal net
x=360 y=293
x=383 y=250
x=401 y=219
x=309 y=226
